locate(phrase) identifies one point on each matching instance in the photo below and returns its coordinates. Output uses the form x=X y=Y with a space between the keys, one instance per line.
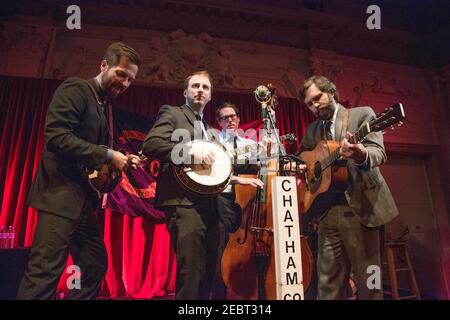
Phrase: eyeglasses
x=231 y=117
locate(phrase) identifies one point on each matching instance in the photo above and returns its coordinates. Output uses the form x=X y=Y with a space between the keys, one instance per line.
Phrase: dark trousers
x=229 y=221
x=194 y=234
x=54 y=238
x=345 y=245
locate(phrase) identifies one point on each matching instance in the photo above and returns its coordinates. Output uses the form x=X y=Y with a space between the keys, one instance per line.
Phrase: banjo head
x=207 y=179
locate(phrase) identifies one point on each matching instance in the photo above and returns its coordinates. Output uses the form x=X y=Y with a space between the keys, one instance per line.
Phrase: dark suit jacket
x=75 y=129
x=159 y=144
x=367 y=192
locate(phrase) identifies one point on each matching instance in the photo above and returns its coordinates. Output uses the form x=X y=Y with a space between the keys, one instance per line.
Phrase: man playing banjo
x=191 y=220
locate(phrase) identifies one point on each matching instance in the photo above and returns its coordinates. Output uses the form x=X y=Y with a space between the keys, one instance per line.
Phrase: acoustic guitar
x=326 y=170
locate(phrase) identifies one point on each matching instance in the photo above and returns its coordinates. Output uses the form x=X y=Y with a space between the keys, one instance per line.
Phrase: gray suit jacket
x=367 y=193
x=159 y=144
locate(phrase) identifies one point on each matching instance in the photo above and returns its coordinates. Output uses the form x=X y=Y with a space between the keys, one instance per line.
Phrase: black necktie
x=328 y=133
x=235 y=146
x=203 y=123
x=200 y=118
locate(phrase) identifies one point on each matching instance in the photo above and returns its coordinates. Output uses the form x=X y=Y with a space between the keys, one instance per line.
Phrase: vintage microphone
x=263 y=96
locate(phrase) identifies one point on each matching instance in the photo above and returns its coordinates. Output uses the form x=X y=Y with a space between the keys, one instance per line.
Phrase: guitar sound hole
x=317 y=170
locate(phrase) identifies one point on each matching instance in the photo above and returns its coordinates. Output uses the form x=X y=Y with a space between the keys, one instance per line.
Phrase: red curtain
x=141 y=263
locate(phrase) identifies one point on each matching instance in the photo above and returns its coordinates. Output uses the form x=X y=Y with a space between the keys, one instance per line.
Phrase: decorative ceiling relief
x=23 y=40
x=326 y=67
x=74 y=61
x=380 y=84
x=24 y=43
x=176 y=55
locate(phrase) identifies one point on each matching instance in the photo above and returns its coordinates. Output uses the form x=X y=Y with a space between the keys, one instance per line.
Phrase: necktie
x=235 y=146
x=328 y=133
x=202 y=124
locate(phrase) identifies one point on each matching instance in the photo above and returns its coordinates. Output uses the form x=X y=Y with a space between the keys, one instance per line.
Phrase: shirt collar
x=99 y=90
x=225 y=136
x=195 y=112
x=333 y=119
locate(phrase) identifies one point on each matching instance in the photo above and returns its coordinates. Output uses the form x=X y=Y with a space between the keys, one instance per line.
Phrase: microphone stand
x=273 y=129
x=261 y=256
x=270 y=126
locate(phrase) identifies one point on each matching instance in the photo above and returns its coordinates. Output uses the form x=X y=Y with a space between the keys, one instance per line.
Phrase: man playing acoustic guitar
x=352 y=217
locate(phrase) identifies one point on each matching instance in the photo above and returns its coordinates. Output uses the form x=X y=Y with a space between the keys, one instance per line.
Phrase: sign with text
x=286 y=224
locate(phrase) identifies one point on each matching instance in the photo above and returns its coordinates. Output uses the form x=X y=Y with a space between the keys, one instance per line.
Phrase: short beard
x=104 y=84
x=326 y=113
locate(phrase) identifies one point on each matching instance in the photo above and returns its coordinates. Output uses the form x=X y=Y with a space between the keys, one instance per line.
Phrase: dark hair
x=322 y=83
x=198 y=73
x=226 y=105
x=117 y=50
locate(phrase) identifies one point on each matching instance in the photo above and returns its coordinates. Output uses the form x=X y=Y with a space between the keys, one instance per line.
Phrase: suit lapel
x=103 y=134
x=318 y=130
x=98 y=99
x=189 y=114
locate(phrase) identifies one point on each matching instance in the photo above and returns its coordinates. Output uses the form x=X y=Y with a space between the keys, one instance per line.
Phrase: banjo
x=209 y=180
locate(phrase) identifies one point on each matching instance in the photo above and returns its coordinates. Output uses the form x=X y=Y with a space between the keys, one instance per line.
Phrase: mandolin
x=106 y=178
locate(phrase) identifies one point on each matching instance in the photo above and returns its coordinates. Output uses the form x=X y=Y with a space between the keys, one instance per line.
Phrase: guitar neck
x=357 y=137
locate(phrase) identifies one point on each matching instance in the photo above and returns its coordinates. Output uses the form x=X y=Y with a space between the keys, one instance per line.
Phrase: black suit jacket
x=75 y=137
x=160 y=142
x=367 y=192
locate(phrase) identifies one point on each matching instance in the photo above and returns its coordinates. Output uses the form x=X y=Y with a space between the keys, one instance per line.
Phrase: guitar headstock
x=288 y=138
x=390 y=116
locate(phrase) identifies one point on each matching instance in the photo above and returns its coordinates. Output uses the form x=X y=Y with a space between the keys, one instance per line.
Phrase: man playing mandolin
x=76 y=132
x=350 y=235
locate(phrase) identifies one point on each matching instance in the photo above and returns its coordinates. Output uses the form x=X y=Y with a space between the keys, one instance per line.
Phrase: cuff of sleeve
x=109 y=155
x=364 y=163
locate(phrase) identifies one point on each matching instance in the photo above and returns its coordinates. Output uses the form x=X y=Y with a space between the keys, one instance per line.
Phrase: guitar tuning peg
x=400 y=123
x=383 y=132
x=392 y=128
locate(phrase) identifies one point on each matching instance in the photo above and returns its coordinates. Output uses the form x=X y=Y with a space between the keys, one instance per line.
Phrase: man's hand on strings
x=119 y=161
x=134 y=161
x=355 y=151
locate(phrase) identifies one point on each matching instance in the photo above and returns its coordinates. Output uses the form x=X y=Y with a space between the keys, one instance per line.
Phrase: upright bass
x=248 y=262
